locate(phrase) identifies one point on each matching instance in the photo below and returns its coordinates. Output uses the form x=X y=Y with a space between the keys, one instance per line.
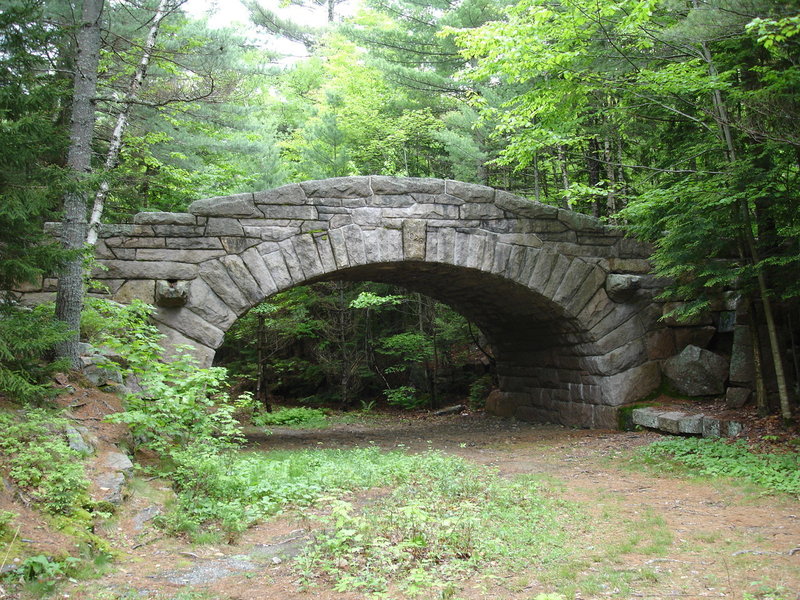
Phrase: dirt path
x=647 y=536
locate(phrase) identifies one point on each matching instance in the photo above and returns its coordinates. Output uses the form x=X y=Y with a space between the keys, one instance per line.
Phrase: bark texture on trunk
x=69 y=298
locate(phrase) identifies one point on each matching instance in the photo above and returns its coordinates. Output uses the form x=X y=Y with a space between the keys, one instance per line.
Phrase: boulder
x=100 y=370
x=77 y=441
x=697 y=372
x=737 y=397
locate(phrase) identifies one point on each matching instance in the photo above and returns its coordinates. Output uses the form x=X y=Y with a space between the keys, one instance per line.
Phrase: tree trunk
x=721 y=116
x=69 y=297
x=562 y=163
x=262 y=396
x=762 y=406
x=608 y=158
x=537 y=191
x=114 y=148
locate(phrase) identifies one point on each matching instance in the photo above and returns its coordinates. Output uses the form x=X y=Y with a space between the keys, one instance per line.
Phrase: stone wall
x=566 y=302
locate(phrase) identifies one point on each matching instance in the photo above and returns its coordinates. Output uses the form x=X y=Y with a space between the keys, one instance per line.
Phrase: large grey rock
x=171 y=294
x=288 y=194
x=697 y=372
x=646 y=417
x=77 y=441
x=741 y=369
x=117 y=461
x=523 y=207
x=110 y=484
x=469 y=192
x=339 y=187
x=737 y=397
x=630 y=385
x=145 y=515
x=164 y=218
x=139 y=269
x=100 y=371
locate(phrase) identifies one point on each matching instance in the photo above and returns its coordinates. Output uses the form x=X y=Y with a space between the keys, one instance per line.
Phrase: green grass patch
x=228 y=491
x=722 y=458
x=299 y=416
x=443 y=521
x=448 y=522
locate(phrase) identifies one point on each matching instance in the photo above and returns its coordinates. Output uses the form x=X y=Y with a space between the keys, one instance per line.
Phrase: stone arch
x=570 y=347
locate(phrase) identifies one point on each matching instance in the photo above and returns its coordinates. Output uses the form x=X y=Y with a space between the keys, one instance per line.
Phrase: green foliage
x=6 y=518
x=404 y=397
x=180 y=401
x=229 y=491
x=479 y=389
x=300 y=416
x=407 y=348
x=719 y=458
x=446 y=523
x=26 y=338
x=341 y=341
x=40 y=462
x=32 y=140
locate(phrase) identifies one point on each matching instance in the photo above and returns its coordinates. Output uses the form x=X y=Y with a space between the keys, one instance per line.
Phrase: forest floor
x=704 y=539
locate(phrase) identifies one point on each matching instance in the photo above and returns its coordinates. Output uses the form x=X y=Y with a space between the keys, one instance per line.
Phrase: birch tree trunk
x=114 y=148
x=69 y=297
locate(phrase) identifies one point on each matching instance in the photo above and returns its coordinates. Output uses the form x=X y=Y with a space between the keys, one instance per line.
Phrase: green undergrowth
x=47 y=475
x=36 y=457
x=444 y=522
x=227 y=491
x=298 y=416
x=774 y=472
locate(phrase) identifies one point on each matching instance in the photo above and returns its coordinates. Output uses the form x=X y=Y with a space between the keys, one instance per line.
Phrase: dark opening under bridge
x=566 y=302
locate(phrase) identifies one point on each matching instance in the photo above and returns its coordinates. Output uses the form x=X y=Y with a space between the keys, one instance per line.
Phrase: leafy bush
x=720 y=458
x=178 y=404
x=6 y=517
x=478 y=390
x=25 y=338
x=404 y=397
x=296 y=416
x=41 y=463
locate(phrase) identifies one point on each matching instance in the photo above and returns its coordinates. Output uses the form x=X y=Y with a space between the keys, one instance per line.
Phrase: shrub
x=296 y=416
x=41 y=463
x=177 y=404
x=404 y=397
x=26 y=336
x=478 y=390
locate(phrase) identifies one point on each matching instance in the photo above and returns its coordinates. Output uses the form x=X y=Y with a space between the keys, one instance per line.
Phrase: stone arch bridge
x=566 y=302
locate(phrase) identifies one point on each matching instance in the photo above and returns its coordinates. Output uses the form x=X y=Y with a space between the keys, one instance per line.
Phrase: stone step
x=671 y=420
